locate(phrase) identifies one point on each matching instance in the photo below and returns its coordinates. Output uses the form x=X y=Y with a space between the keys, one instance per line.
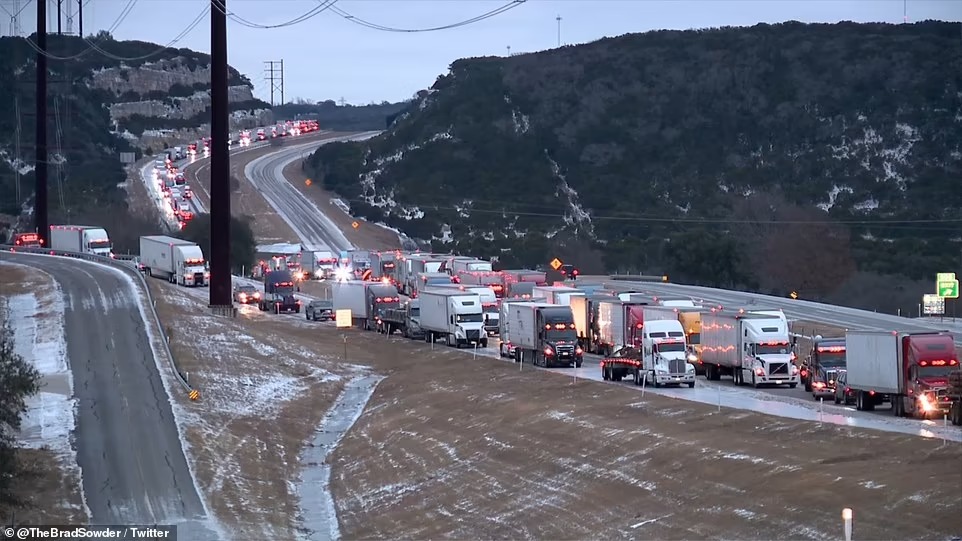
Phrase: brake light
x=759 y=371
x=548 y=352
x=578 y=350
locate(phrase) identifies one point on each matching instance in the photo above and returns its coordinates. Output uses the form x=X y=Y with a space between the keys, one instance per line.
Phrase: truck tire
x=956 y=414
x=792 y=385
x=578 y=364
x=691 y=385
x=277 y=308
x=484 y=342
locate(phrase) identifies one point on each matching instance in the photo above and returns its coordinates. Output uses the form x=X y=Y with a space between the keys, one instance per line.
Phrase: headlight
x=692 y=358
x=343 y=274
x=690 y=368
x=661 y=372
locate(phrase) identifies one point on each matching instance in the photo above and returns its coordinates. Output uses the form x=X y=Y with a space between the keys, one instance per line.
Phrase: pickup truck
x=319 y=310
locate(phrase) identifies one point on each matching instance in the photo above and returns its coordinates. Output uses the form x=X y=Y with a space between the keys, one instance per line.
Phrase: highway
x=266 y=173
x=128 y=445
x=839 y=316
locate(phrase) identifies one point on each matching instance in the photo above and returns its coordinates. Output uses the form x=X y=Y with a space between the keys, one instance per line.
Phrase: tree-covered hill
x=774 y=157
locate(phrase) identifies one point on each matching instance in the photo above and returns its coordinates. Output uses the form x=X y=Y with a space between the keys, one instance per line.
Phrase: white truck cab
x=665 y=353
x=767 y=352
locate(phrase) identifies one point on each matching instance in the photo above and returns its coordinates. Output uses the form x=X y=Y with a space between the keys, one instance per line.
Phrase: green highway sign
x=948 y=289
x=945 y=277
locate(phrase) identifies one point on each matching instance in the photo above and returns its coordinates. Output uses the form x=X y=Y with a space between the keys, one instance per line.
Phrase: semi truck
x=751 y=346
x=519 y=290
x=383 y=265
x=538 y=278
x=452 y=316
x=471 y=265
x=820 y=369
x=488 y=279
x=489 y=304
x=414 y=264
x=690 y=319
x=661 y=360
x=279 y=293
x=405 y=319
x=506 y=347
x=544 y=334
x=910 y=370
x=429 y=279
x=556 y=294
x=619 y=324
x=380 y=297
x=179 y=261
x=955 y=396
x=352 y=295
x=85 y=239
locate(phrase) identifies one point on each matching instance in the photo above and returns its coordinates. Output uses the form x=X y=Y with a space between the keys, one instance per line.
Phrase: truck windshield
x=772 y=349
x=99 y=244
x=833 y=358
x=669 y=347
x=561 y=334
x=694 y=339
x=926 y=372
x=469 y=318
x=415 y=312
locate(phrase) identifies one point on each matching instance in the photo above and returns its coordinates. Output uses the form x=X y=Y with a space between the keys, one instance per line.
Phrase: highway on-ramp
x=266 y=174
x=128 y=446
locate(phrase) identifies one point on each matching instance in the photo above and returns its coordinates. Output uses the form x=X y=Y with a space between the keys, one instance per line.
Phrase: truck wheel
x=604 y=373
x=578 y=364
x=957 y=413
x=691 y=385
x=484 y=343
x=792 y=385
x=277 y=309
x=808 y=386
x=307 y=316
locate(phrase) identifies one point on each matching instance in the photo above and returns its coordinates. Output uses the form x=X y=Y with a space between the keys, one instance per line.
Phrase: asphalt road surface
x=314 y=229
x=134 y=468
x=839 y=316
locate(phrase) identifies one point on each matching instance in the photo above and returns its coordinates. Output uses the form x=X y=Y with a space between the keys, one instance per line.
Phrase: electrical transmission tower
x=274 y=75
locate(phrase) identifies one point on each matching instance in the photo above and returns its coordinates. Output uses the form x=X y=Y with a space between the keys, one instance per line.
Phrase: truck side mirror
x=794 y=341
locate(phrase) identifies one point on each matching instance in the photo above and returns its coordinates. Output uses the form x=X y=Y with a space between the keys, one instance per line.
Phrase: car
x=843 y=394
x=246 y=294
x=188 y=193
x=320 y=310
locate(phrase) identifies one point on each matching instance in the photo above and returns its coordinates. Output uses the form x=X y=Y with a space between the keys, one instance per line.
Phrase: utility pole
x=274 y=75
x=40 y=188
x=220 y=277
x=558 y=18
x=80 y=18
x=59 y=17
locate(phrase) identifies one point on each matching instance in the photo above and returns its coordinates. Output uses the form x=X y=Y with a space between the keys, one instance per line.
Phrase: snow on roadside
x=37 y=322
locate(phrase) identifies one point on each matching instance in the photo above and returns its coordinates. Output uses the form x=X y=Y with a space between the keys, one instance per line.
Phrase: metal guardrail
x=639 y=278
x=121 y=262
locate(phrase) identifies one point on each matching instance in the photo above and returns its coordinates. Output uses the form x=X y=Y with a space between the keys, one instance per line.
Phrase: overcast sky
x=330 y=57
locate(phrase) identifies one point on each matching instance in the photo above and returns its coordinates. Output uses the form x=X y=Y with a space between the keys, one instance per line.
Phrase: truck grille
x=778 y=369
x=565 y=351
x=474 y=335
x=677 y=366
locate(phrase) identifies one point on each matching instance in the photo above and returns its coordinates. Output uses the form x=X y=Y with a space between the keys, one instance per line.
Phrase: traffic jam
x=173 y=185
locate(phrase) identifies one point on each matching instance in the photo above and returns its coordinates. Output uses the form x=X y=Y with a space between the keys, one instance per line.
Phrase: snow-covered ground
x=36 y=320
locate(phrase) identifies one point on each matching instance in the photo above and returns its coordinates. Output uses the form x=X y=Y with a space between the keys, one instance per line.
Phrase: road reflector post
x=847 y=520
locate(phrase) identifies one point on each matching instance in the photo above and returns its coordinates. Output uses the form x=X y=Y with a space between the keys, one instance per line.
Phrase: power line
x=374 y=26
x=313 y=12
x=94 y=46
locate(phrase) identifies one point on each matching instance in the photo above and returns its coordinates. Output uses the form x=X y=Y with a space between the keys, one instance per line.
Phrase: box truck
x=179 y=261
x=352 y=295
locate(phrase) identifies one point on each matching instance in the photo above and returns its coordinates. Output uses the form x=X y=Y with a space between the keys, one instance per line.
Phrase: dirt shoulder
x=367 y=235
x=452 y=446
x=48 y=483
x=266 y=382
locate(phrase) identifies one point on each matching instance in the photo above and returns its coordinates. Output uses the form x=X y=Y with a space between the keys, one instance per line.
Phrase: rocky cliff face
x=168 y=101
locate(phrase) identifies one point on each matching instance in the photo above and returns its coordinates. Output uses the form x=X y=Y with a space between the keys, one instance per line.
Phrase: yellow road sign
x=556 y=263
x=194 y=394
x=793 y=294
x=307 y=182
x=355 y=225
